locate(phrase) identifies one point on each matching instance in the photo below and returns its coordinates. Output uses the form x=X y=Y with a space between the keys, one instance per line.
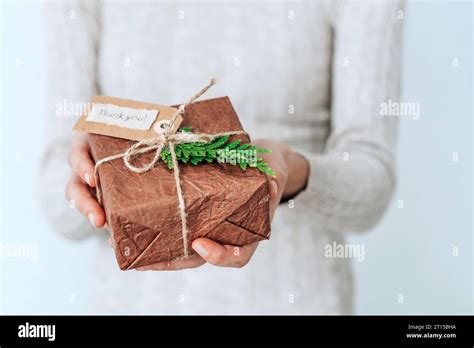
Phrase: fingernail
x=274 y=186
x=200 y=249
x=87 y=178
x=91 y=219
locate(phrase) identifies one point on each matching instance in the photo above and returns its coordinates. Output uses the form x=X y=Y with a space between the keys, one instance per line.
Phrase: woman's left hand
x=238 y=256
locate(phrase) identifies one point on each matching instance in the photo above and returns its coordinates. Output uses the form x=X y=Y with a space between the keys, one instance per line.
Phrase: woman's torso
x=274 y=62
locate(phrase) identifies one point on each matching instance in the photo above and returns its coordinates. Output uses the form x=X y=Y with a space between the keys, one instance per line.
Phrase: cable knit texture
x=311 y=74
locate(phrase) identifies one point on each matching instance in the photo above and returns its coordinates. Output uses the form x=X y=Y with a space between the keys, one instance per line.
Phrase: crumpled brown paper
x=223 y=202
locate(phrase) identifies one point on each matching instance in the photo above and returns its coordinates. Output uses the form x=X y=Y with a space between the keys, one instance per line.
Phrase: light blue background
x=409 y=254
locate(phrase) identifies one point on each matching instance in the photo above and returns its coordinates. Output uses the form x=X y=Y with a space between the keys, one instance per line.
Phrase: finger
x=274 y=200
x=111 y=238
x=224 y=255
x=275 y=160
x=191 y=262
x=78 y=192
x=277 y=187
x=81 y=162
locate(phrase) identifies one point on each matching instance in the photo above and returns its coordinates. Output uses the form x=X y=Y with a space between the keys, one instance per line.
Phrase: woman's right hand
x=79 y=189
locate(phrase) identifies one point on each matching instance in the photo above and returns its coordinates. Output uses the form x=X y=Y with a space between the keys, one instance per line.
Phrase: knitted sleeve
x=351 y=182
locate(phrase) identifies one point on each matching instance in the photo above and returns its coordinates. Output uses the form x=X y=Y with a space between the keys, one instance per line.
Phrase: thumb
x=274 y=197
x=210 y=251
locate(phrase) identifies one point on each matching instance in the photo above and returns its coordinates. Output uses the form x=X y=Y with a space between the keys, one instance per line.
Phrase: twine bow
x=169 y=138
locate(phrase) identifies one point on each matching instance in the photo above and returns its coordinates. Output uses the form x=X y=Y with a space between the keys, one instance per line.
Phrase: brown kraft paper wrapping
x=223 y=202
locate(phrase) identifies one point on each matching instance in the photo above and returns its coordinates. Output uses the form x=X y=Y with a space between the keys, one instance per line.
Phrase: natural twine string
x=168 y=138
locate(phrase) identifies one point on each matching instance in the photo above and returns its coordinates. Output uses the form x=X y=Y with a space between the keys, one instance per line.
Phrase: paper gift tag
x=127 y=119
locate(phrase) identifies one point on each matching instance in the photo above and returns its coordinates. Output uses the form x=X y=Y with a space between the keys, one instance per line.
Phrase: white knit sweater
x=311 y=74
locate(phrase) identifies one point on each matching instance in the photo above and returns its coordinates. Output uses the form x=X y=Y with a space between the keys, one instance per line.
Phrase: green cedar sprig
x=218 y=150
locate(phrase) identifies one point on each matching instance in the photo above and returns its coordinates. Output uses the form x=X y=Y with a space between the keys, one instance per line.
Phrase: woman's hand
x=285 y=184
x=291 y=174
x=79 y=188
